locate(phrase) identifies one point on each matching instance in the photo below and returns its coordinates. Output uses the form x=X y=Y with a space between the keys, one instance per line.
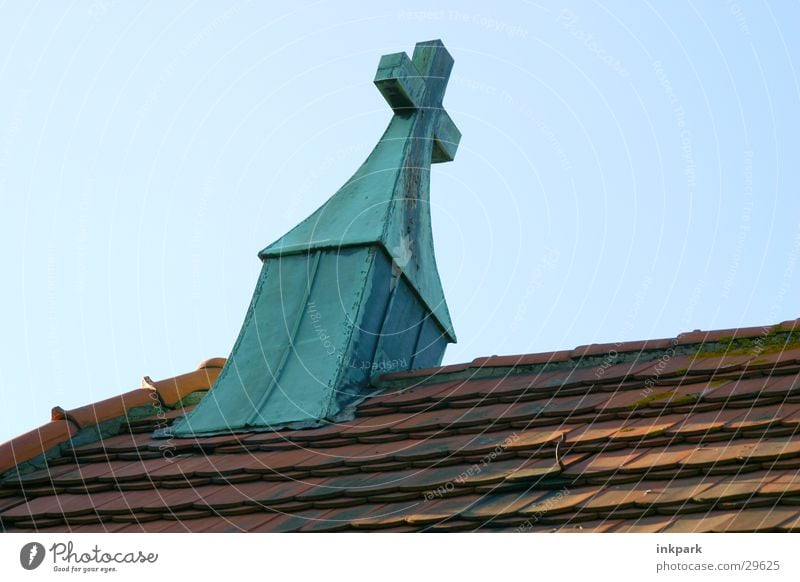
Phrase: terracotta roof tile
x=647 y=427
x=733 y=487
x=761 y=417
x=757 y=520
x=662 y=439
x=792 y=525
x=604 y=462
x=172 y=390
x=438 y=510
x=111 y=408
x=651 y=524
x=521 y=360
x=657 y=459
x=701 y=522
x=555 y=502
x=34 y=443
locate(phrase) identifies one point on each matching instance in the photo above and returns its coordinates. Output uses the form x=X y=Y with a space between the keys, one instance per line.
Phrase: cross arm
x=400 y=82
x=445 y=139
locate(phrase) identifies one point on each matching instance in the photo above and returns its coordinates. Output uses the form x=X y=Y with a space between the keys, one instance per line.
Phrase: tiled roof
x=694 y=433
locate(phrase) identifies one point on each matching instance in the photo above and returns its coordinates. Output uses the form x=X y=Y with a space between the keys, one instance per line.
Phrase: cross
x=418 y=84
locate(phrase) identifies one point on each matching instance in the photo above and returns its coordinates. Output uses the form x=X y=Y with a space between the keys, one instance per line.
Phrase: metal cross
x=418 y=84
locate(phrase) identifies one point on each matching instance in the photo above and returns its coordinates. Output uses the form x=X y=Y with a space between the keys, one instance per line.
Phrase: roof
x=687 y=434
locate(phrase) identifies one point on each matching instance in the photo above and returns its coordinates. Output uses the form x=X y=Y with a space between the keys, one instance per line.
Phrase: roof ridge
x=588 y=353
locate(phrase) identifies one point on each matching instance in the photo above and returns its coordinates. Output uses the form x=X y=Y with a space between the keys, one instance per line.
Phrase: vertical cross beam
x=434 y=63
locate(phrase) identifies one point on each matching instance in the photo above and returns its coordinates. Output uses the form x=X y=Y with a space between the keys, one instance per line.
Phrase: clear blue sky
x=627 y=171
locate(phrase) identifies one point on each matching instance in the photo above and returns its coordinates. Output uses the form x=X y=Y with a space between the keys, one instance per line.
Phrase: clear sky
x=627 y=171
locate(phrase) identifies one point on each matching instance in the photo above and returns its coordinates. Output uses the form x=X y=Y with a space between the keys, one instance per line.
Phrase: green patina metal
x=353 y=291
x=386 y=202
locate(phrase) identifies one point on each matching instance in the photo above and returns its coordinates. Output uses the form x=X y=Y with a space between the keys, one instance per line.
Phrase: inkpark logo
x=66 y=558
x=31 y=555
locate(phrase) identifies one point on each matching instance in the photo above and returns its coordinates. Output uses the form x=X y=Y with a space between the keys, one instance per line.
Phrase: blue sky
x=626 y=171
